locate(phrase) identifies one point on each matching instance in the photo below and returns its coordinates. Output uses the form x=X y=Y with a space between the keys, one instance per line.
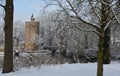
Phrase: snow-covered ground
x=88 y=69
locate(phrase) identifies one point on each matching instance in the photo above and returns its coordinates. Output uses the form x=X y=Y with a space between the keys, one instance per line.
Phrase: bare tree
x=102 y=10
x=8 y=29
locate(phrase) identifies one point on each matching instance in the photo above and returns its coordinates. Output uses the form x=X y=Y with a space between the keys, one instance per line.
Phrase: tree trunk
x=100 y=57
x=101 y=40
x=106 y=50
x=8 y=53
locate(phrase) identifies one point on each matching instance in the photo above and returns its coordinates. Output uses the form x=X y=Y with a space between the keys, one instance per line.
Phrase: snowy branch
x=94 y=11
x=87 y=30
x=63 y=8
x=91 y=24
x=108 y=24
x=116 y=18
x=104 y=3
x=78 y=17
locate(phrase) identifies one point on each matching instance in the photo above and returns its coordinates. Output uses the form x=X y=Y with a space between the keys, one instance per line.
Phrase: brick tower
x=31 y=30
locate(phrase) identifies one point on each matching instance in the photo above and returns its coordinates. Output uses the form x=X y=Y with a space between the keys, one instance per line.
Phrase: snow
x=88 y=69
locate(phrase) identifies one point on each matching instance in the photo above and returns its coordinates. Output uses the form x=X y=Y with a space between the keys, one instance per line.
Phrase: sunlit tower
x=31 y=30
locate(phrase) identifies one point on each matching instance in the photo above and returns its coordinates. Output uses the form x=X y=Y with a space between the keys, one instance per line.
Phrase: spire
x=32 y=18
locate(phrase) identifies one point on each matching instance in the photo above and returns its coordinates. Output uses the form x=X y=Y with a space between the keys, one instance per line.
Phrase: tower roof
x=32 y=18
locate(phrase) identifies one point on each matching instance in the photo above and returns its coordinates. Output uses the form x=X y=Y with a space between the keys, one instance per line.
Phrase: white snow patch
x=88 y=69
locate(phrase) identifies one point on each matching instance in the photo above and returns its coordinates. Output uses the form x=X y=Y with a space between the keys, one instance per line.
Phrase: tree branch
x=94 y=11
x=49 y=5
x=108 y=24
x=60 y=5
x=116 y=18
x=2 y=5
x=87 y=30
x=78 y=17
x=104 y=3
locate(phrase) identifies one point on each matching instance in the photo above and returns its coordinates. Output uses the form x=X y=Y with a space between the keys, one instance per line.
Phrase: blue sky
x=23 y=9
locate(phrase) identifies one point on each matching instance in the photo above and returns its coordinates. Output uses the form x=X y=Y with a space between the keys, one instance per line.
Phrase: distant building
x=31 y=30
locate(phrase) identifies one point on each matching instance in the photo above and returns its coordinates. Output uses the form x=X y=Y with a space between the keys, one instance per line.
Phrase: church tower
x=31 y=30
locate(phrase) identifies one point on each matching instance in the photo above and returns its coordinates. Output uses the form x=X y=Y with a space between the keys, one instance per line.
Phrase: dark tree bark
x=8 y=53
x=106 y=50
x=106 y=44
x=104 y=39
x=101 y=40
x=119 y=1
x=86 y=40
x=100 y=55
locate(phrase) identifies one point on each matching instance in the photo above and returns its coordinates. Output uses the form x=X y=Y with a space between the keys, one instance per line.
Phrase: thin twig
x=94 y=11
x=78 y=17
x=116 y=18
x=87 y=30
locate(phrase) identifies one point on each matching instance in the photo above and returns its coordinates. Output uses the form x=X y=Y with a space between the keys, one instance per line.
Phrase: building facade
x=31 y=30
